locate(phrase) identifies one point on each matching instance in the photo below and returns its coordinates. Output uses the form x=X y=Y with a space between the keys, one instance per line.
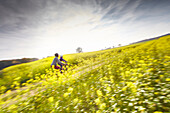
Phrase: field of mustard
x=28 y=71
x=132 y=79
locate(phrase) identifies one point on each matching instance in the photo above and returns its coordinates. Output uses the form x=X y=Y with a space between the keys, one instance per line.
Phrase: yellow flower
x=150 y=88
x=12 y=107
x=112 y=98
x=87 y=92
x=101 y=80
x=80 y=101
x=52 y=111
x=51 y=99
x=106 y=98
x=157 y=80
x=109 y=89
x=70 y=89
x=150 y=70
x=140 y=75
x=66 y=94
x=130 y=84
x=98 y=111
x=18 y=78
x=167 y=79
x=127 y=72
x=141 y=61
x=97 y=101
x=25 y=103
x=84 y=84
x=155 y=60
x=8 y=91
x=158 y=112
x=111 y=77
x=102 y=106
x=2 y=88
x=76 y=100
x=161 y=76
x=156 y=93
x=68 y=109
x=99 y=93
x=90 y=103
x=130 y=61
x=124 y=89
x=56 y=104
x=107 y=94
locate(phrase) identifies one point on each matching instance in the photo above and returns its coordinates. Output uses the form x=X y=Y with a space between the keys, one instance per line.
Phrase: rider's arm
x=59 y=62
x=64 y=60
x=61 y=59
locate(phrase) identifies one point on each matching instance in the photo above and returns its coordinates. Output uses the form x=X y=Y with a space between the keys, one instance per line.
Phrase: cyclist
x=61 y=59
x=57 y=61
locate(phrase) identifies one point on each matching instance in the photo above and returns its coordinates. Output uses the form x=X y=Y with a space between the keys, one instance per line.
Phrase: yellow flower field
x=132 y=79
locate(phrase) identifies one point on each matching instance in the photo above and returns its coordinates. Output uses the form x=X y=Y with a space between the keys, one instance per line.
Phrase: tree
x=119 y=45
x=79 y=50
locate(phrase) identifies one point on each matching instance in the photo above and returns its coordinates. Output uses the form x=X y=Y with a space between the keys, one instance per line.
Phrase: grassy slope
x=27 y=71
x=135 y=79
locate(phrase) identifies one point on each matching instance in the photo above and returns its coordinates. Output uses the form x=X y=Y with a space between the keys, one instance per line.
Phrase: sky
x=41 y=28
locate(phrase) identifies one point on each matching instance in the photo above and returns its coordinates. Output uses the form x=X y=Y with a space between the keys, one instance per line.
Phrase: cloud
x=42 y=27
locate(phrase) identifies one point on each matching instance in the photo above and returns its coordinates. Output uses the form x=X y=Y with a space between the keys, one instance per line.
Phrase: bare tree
x=79 y=50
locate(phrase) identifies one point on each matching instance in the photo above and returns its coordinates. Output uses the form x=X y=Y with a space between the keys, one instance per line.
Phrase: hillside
x=132 y=78
x=7 y=63
x=149 y=39
x=30 y=70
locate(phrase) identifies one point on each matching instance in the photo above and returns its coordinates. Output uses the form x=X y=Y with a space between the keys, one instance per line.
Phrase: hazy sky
x=40 y=28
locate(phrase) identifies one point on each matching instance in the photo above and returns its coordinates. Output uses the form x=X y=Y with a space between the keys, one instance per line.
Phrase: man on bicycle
x=57 y=61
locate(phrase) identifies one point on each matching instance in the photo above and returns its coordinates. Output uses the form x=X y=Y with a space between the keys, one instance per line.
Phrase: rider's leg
x=61 y=66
